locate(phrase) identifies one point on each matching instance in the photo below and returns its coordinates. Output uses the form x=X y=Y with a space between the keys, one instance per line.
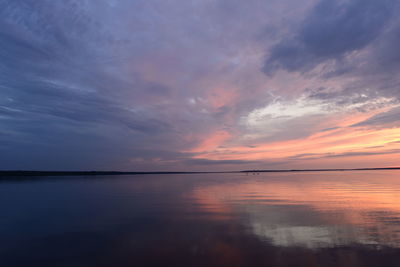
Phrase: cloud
x=58 y=96
x=134 y=84
x=313 y=156
x=366 y=153
x=219 y=162
x=332 y=30
x=389 y=118
x=75 y=74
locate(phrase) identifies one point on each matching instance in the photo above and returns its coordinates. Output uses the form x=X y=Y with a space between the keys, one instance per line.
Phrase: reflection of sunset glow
x=360 y=201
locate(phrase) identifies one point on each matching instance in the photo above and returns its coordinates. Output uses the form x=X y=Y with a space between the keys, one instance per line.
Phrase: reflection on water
x=314 y=210
x=272 y=219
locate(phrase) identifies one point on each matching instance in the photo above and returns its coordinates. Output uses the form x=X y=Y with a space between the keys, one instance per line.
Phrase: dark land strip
x=4 y=174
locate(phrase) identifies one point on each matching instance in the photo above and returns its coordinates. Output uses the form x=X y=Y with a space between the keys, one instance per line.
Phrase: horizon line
x=75 y=173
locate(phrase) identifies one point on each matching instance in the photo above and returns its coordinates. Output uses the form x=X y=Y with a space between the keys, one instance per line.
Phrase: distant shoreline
x=92 y=173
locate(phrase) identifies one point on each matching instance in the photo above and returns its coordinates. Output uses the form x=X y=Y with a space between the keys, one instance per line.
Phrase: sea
x=334 y=218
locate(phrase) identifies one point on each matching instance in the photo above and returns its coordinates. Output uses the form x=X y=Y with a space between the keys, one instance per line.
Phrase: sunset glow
x=199 y=85
x=200 y=133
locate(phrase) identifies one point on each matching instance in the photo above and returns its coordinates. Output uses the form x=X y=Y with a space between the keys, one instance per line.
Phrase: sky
x=199 y=85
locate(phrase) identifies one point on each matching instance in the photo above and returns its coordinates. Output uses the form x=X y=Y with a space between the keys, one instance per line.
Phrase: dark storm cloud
x=330 y=31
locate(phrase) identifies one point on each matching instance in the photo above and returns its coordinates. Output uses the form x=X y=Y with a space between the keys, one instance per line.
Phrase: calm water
x=275 y=219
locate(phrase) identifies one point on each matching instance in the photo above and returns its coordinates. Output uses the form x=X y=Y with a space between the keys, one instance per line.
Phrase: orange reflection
x=367 y=201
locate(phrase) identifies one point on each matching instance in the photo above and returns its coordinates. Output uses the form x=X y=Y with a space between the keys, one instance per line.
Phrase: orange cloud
x=338 y=142
x=212 y=142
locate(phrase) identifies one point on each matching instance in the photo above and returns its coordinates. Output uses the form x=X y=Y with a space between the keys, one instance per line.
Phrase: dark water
x=276 y=219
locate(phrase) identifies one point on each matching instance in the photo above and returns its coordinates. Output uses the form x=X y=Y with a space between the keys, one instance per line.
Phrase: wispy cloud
x=158 y=84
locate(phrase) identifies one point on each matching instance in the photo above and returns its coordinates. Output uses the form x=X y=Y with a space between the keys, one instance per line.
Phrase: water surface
x=269 y=219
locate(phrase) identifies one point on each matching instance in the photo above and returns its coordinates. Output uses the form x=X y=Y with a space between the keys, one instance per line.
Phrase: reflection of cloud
x=303 y=236
x=311 y=210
